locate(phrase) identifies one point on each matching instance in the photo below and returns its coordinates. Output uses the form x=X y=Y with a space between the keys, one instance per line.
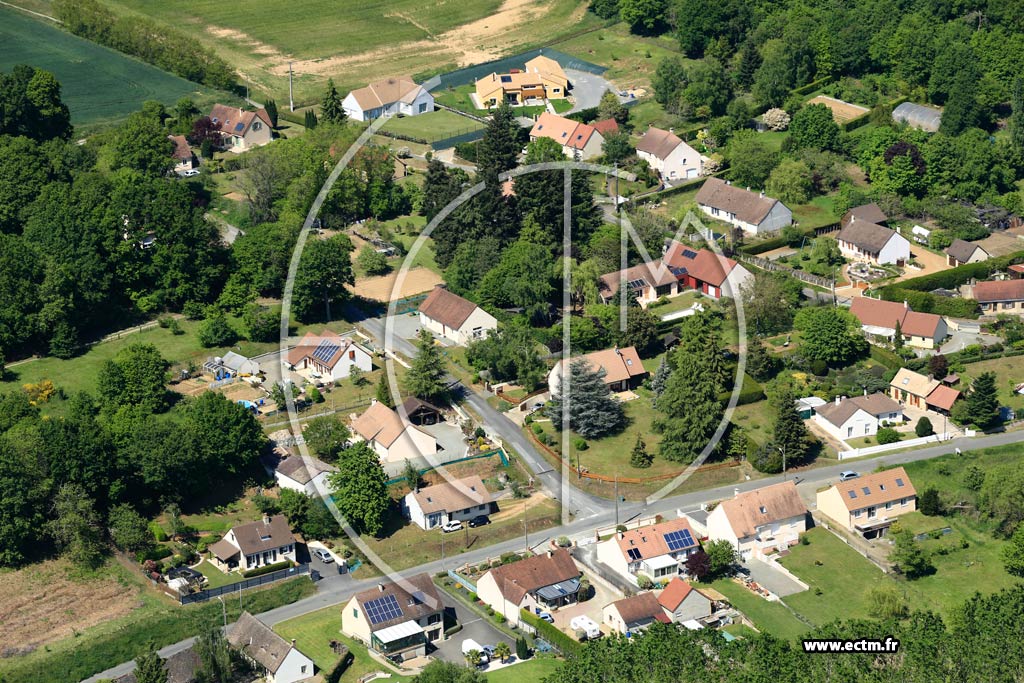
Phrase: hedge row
x=954 y=277
x=334 y=675
x=550 y=633
x=886 y=357
x=812 y=86
x=923 y=302
x=266 y=569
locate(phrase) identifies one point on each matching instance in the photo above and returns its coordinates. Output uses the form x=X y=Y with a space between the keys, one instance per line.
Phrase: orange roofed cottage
x=622 y=368
x=391 y=438
x=579 y=141
x=546 y=581
x=760 y=521
x=656 y=551
x=706 y=271
x=328 y=355
x=454 y=318
x=543 y=78
x=241 y=130
x=391 y=96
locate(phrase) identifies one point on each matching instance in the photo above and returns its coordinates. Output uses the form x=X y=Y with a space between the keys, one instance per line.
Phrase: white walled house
x=656 y=551
x=396 y=619
x=622 y=368
x=305 y=475
x=760 y=521
x=454 y=318
x=431 y=506
x=542 y=582
x=256 y=544
x=751 y=212
x=850 y=418
x=860 y=240
x=328 y=355
x=633 y=614
x=869 y=504
x=682 y=602
x=400 y=95
x=669 y=155
x=390 y=437
x=278 y=660
x=241 y=130
x=879 y=318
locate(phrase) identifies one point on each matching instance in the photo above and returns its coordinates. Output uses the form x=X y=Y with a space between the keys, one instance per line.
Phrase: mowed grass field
x=100 y=86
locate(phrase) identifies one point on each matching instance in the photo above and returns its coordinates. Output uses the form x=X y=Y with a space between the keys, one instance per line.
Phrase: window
x=881 y=487
x=423 y=107
x=764 y=510
x=856 y=513
x=903 y=502
x=259 y=126
x=303 y=668
x=355 y=612
x=849 y=431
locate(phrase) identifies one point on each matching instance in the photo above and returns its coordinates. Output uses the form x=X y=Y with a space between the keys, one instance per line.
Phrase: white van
x=587 y=625
x=469 y=645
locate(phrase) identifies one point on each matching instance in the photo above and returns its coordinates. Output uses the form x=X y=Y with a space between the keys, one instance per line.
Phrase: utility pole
x=526 y=527
x=783 y=451
x=442 y=550
x=224 y=611
x=291 y=98
x=616 y=499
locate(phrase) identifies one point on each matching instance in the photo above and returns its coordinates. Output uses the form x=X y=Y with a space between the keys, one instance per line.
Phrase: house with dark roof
x=396 y=619
x=682 y=602
x=420 y=412
x=705 y=271
x=431 y=506
x=879 y=319
x=752 y=212
x=579 y=141
x=305 y=475
x=393 y=439
x=646 y=282
x=622 y=368
x=633 y=614
x=850 y=418
x=181 y=667
x=872 y=213
x=241 y=130
x=760 y=521
x=184 y=158
x=388 y=97
x=328 y=355
x=962 y=252
x=454 y=318
x=860 y=240
x=256 y=544
x=656 y=551
x=868 y=505
x=278 y=660
x=540 y=582
x=667 y=154
x=999 y=296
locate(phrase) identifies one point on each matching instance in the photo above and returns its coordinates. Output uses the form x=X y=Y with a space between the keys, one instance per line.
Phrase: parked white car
x=451 y=525
x=468 y=645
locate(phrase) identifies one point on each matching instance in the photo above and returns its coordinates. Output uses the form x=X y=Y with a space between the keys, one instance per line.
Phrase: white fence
x=872 y=450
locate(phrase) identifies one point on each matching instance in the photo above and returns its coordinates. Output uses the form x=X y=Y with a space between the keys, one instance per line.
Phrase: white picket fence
x=882 y=448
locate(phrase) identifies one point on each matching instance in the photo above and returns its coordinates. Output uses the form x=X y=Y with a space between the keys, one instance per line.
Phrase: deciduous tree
x=326 y=436
x=360 y=488
x=325 y=269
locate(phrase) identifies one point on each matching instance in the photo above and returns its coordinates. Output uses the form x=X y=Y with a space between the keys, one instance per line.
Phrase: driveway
x=959 y=339
x=587 y=88
x=929 y=260
x=473 y=626
x=771 y=578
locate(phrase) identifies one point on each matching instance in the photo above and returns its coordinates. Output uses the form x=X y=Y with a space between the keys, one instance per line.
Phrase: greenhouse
x=918 y=116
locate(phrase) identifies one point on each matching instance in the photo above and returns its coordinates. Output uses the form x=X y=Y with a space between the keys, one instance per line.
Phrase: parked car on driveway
x=191 y=173
x=451 y=525
x=479 y=520
x=322 y=555
x=546 y=616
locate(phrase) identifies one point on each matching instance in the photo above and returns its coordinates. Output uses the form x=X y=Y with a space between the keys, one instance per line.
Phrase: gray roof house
x=752 y=212
x=861 y=240
x=961 y=252
x=281 y=661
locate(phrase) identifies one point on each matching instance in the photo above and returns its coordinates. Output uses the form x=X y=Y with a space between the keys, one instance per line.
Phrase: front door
x=871 y=512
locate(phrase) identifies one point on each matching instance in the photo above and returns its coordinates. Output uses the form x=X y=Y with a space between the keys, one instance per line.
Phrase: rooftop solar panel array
x=325 y=350
x=687 y=253
x=382 y=609
x=677 y=540
x=634 y=553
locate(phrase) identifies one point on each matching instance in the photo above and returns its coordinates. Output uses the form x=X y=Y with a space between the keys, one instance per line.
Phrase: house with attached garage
x=924 y=393
x=667 y=154
x=579 y=141
x=999 y=296
x=454 y=318
x=849 y=418
x=396 y=619
x=761 y=521
x=633 y=614
x=305 y=475
x=538 y=583
x=621 y=367
x=328 y=356
x=962 y=252
x=392 y=438
x=241 y=130
x=256 y=544
x=751 y=212
x=656 y=550
x=868 y=505
x=682 y=602
x=278 y=660
x=705 y=271
x=860 y=240
x=463 y=499
x=391 y=96
x=881 y=318
x=542 y=79
x=646 y=282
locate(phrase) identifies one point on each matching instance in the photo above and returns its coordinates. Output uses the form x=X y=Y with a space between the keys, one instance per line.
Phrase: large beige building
x=868 y=505
x=759 y=521
x=543 y=78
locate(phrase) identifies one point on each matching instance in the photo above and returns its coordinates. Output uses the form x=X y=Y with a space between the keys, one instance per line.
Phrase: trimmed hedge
x=751 y=392
x=334 y=675
x=267 y=568
x=812 y=86
x=954 y=277
x=886 y=357
x=925 y=302
x=550 y=633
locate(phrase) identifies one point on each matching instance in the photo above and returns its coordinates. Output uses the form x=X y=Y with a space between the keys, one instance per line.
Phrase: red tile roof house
x=184 y=158
x=458 y=320
x=542 y=582
x=241 y=130
x=647 y=282
x=682 y=602
x=878 y=319
x=622 y=368
x=1000 y=296
x=706 y=271
x=869 y=504
x=669 y=155
x=760 y=521
x=579 y=141
x=657 y=551
x=752 y=212
x=328 y=355
x=633 y=614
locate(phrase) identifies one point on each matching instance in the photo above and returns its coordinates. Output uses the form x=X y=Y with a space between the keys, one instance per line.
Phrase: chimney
x=748 y=188
x=762 y=194
x=736 y=493
x=672 y=130
x=837 y=400
x=293 y=642
x=865 y=391
x=550 y=554
x=380 y=587
x=266 y=519
x=621 y=535
x=905 y=304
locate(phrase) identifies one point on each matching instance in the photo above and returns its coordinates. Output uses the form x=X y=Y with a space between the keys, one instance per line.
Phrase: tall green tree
x=830 y=334
x=750 y=60
x=427 y=372
x=1013 y=553
x=271 y=108
x=141 y=144
x=331 y=110
x=360 y=488
x=149 y=668
x=128 y=529
x=611 y=108
x=1017 y=117
x=814 y=126
x=910 y=558
x=962 y=110
x=76 y=526
x=983 y=401
x=592 y=411
x=669 y=80
x=215 y=665
x=788 y=430
x=643 y=16
x=325 y=269
x=750 y=160
x=326 y=436
x=137 y=375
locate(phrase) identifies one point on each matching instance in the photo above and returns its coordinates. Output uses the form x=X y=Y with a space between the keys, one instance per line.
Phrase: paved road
x=338 y=589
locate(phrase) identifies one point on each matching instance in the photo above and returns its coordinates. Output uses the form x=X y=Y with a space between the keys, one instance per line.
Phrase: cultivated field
x=355 y=42
x=99 y=85
x=417 y=280
x=43 y=603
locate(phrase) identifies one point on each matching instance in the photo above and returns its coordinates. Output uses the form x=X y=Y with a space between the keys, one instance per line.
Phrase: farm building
x=400 y=95
x=841 y=111
x=918 y=116
x=231 y=364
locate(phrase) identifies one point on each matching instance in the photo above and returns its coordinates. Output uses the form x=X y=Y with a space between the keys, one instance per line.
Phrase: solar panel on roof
x=325 y=350
x=634 y=553
x=506 y=79
x=677 y=540
x=382 y=609
x=899 y=482
x=636 y=284
x=677 y=271
x=687 y=253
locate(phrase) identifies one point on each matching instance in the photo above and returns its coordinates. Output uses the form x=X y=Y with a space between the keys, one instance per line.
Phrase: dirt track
x=417 y=280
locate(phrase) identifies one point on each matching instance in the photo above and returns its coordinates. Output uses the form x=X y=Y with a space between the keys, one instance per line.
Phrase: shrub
x=267 y=569
x=887 y=435
x=819 y=368
x=929 y=503
x=551 y=633
x=159 y=535
x=563 y=542
x=924 y=427
x=644 y=582
x=580 y=444
x=537 y=429
x=215 y=331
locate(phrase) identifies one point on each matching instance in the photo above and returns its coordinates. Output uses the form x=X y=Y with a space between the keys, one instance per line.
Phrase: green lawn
x=100 y=86
x=1009 y=373
x=457 y=98
x=432 y=126
x=679 y=303
x=631 y=59
x=770 y=617
x=216 y=577
x=756 y=421
x=821 y=211
x=313 y=633
x=535 y=669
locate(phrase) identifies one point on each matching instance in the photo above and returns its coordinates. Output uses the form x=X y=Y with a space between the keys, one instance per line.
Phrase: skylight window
x=764 y=510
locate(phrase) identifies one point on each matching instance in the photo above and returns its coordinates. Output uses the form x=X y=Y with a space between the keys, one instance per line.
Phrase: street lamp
x=782 y=450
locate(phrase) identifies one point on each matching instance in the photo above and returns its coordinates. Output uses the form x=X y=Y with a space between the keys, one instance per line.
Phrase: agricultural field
x=99 y=85
x=358 y=42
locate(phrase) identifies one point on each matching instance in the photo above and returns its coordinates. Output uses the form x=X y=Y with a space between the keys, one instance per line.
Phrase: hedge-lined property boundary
x=551 y=633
